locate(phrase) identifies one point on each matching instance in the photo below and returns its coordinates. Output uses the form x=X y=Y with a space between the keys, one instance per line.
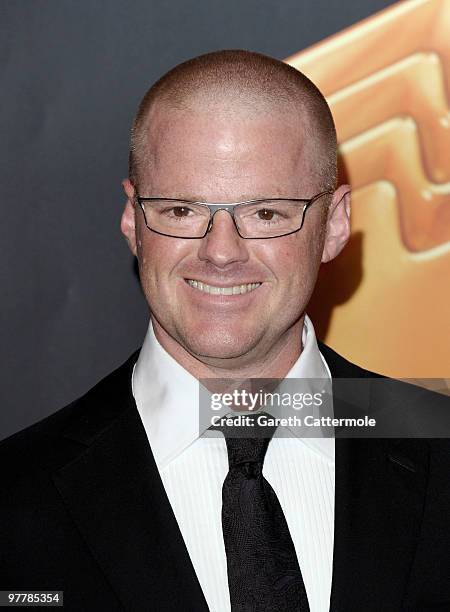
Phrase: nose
x=222 y=245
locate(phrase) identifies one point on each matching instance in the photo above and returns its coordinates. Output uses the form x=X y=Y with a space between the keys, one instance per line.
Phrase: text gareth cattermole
x=265 y=420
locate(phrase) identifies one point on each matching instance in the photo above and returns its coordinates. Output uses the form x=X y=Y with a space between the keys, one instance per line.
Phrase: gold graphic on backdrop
x=387 y=80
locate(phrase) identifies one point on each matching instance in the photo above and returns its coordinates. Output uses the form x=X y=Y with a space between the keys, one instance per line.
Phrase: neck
x=273 y=363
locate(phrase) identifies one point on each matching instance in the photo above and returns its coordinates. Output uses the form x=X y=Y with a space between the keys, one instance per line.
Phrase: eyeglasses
x=267 y=218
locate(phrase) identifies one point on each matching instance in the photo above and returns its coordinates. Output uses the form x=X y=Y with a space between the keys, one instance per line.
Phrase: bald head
x=245 y=84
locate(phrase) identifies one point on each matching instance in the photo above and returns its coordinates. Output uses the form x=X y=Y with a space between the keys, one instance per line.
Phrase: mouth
x=216 y=290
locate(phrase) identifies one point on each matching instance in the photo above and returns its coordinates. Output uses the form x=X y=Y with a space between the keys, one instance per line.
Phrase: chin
x=219 y=344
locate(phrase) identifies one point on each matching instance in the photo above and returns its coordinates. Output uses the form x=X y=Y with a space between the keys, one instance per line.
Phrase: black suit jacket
x=83 y=510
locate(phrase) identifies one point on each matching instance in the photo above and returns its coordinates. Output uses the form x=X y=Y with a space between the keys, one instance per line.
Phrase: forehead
x=217 y=152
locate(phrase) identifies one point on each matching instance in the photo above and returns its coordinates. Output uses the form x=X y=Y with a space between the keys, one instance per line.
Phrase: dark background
x=72 y=75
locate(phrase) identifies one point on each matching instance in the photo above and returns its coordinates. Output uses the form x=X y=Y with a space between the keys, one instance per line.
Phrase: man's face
x=215 y=157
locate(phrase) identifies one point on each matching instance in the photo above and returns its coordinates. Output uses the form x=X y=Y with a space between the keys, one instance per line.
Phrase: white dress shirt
x=193 y=468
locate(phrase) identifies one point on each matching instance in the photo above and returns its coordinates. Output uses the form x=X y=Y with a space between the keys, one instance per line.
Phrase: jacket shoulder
x=53 y=441
x=340 y=367
x=406 y=410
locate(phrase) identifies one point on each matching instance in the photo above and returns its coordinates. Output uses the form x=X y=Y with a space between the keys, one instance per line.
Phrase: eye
x=180 y=211
x=265 y=215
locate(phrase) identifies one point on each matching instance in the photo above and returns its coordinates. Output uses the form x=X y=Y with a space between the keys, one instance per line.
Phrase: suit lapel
x=379 y=498
x=114 y=494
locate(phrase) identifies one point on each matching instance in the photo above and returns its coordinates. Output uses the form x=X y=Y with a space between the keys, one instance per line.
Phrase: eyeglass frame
x=215 y=207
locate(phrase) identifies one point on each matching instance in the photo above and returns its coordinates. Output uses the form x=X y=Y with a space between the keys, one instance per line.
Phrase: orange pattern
x=384 y=302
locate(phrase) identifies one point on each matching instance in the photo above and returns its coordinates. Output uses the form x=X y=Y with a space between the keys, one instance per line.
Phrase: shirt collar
x=167 y=396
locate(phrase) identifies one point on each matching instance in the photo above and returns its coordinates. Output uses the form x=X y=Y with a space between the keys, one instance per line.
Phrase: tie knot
x=246 y=443
x=247 y=454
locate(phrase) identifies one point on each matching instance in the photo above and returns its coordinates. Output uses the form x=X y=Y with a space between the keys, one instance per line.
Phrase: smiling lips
x=214 y=290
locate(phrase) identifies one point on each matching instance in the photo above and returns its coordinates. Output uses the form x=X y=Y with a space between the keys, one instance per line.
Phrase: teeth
x=235 y=290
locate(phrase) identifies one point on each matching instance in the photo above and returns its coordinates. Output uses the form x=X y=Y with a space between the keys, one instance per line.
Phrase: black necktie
x=263 y=570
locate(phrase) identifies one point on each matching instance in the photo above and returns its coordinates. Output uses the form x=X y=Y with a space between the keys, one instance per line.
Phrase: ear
x=128 y=220
x=337 y=231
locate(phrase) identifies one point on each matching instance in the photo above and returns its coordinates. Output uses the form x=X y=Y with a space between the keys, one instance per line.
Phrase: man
x=116 y=499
